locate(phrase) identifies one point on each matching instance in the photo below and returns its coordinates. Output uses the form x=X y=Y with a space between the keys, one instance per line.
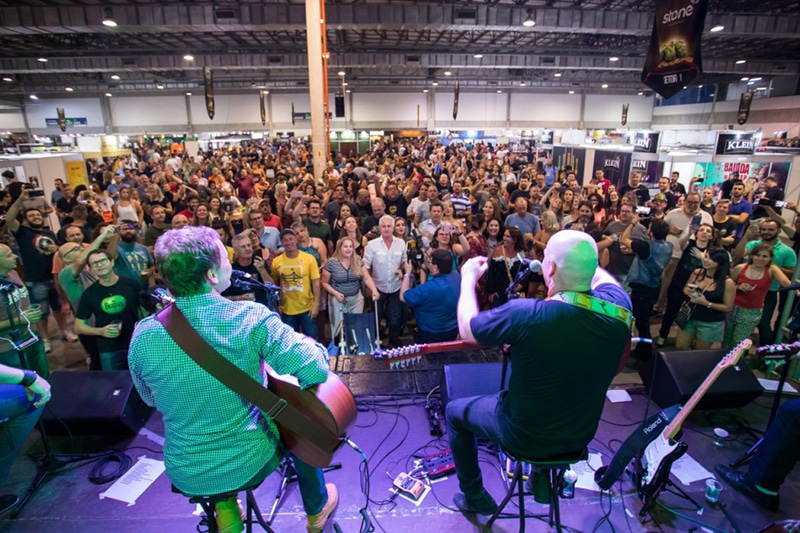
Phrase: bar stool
x=253 y=513
x=555 y=466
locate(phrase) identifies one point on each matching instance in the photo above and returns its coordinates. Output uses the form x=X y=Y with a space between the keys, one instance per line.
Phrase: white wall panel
x=486 y=110
x=543 y=109
x=88 y=108
x=392 y=107
x=606 y=110
x=148 y=111
x=12 y=120
x=228 y=109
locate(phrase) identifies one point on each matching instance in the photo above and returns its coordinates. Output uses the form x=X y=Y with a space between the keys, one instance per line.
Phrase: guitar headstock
x=400 y=358
x=732 y=357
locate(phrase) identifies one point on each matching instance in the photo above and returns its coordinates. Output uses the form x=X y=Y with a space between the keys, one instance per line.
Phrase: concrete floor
x=391 y=429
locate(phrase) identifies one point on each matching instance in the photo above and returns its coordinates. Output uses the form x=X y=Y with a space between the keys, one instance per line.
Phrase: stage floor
x=392 y=430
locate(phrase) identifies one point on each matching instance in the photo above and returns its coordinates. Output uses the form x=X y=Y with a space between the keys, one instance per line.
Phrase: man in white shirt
x=383 y=259
x=419 y=210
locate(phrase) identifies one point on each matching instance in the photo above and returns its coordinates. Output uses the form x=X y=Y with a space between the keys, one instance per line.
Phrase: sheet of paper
x=135 y=481
x=155 y=437
x=618 y=395
x=421 y=496
x=772 y=385
x=585 y=471
x=687 y=470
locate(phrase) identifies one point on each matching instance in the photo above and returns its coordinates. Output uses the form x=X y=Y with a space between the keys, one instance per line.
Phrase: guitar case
x=606 y=476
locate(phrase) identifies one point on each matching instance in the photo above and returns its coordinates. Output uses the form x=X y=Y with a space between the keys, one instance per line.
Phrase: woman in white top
x=127 y=208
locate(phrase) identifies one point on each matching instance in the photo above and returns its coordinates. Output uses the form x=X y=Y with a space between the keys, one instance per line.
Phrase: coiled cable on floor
x=98 y=475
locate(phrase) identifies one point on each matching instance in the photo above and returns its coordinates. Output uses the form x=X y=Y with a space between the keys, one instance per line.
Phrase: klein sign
x=645 y=142
x=736 y=144
x=79 y=122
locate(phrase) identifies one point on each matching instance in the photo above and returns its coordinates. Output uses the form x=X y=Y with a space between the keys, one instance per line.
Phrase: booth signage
x=736 y=144
x=645 y=142
x=638 y=164
x=546 y=137
x=70 y=122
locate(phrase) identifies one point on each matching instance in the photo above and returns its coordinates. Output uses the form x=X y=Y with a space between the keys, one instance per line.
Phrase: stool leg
x=211 y=516
x=521 y=492
x=516 y=479
x=555 y=489
x=252 y=509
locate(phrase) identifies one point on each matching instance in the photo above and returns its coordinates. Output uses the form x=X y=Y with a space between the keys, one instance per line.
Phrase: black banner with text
x=673 y=58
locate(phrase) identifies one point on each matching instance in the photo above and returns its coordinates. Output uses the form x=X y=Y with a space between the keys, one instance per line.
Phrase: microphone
x=779 y=349
x=239 y=277
x=532 y=266
x=9 y=281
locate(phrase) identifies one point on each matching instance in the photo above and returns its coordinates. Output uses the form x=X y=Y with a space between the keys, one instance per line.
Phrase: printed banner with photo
x=574 y=158
x=616 y=165
x=752 y=174
x=673 y=58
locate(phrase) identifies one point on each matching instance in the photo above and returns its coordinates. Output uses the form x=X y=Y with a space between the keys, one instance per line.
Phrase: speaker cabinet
x=94 y=403
x=338 y=101
x=472 y=379
x=678 y=375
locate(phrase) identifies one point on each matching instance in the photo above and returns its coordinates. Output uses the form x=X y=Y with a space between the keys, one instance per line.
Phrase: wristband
x=28 y=378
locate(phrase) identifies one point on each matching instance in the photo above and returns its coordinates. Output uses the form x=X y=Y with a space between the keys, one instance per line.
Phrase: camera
x=414 y=252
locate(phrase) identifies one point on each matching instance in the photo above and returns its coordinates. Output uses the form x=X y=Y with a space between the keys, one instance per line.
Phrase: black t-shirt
x=66 y=206
x=641 y=192
x=116 y=302
x=726 y=229
x=61 y=236
x=396 y=207
x=33 y=250
x=557 y=387
x=233 y=290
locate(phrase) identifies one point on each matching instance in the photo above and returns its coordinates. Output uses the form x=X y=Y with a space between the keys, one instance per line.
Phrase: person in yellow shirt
x=297 y=274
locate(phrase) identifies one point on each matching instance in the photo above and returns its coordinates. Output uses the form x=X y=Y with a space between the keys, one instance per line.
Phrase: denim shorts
x=45 y=294
x=706 y=331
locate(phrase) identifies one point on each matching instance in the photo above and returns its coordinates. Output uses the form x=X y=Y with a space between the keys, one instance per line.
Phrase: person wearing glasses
x=113 y=302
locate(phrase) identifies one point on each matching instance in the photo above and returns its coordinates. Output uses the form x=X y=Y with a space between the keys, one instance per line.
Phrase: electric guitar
x=408 y=356
x=664 y=450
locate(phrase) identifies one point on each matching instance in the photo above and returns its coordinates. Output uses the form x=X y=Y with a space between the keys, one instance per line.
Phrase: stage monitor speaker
x=338 y=101
x=679 y=374
x=94 y=403
x=471 y=379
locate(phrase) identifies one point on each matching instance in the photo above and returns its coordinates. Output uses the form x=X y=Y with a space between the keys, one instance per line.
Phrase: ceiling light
x=8 y=79
x=716 y=28
x=69 y=89
x=572 y=92
x=42 y=60
x=344 y=84
x=265 y=92
x=700 y=86
x=756 y=79
x=189 y=57
x=604 y=86
x=640 y=93
x=761 y=88
x=340 y=73
x=613 y=58
x=529 y=22
x=115 y=76
x=108 y=20
x=435 y=84
x=478 y=56
x=741 y=62
x=522 y=84
x=188 y=94
x=34 y=97
x=159 y=86
x=109 y=95
x=424 y=90
x=347 y=91
x=557 y=75
x=751 y=83
x=745 y=78
x=448 y=73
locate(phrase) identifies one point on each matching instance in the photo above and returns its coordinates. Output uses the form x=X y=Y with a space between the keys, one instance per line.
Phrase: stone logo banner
x=208 y=86
x=62 y=119
x=455 y=101
x=624 y=118
x=673 y=58
x=263 y=108
x=744 y=107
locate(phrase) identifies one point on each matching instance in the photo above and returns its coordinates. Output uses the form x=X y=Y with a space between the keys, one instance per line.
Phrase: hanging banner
x=208 y=85
x=646 y=142
x=293 y=113
x=455 y=102
x=263 y=108
x=62 y=119
x=625 y=113
x=744 y=107
x=673 y=58
x=736 y=144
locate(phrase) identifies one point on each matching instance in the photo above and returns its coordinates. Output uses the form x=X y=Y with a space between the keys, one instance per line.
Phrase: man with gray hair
x=551 y=382
x=383 y=259
x=234 y=445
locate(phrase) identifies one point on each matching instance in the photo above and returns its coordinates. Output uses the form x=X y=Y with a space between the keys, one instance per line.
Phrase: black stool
x=208 y=503
x=555 y=466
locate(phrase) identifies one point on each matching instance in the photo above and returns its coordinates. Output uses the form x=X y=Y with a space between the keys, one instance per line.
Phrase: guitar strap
x=643 y=435
x=601 y=307
x=272 y=405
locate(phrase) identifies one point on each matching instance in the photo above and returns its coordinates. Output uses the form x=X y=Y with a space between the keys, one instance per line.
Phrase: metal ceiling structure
x=379 y=44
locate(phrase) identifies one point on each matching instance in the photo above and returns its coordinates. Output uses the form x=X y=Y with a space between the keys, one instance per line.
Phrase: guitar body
x=333 y=408
x=657 y=462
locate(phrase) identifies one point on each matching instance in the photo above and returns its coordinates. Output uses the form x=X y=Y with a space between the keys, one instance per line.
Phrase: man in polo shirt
x=317 y=227
x=783 y=257
x=297 y=275
x=435 y=301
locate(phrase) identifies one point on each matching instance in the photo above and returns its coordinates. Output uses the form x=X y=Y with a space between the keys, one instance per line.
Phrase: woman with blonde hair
x=342 y=276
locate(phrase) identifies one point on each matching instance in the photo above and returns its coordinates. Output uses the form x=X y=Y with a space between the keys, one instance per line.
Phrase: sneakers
x=483 y=504
x=229 y=516
x=68 y=336
x=741 y=482
x=315 y=523
x=7 y=503
x=47 y=347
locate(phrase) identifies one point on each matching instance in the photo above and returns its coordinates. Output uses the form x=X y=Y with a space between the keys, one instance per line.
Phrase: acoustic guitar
x=332 y=409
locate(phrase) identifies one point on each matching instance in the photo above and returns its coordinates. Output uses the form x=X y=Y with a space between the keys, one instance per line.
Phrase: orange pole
x=324 y=24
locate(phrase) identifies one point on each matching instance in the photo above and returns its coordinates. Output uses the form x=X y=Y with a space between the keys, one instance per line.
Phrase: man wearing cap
x=664 y=190
x=297 y=274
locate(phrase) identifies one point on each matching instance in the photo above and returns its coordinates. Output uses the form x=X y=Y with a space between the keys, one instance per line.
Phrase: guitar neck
x=407 y=354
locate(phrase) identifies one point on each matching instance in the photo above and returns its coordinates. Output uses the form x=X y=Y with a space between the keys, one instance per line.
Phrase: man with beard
x=131 y=259
x=664 y=189
x=741 y=209
x=37 y=245
x=247 y=261
x=523 y=191
x=331 y=211
x=636 y=186
x=396 y=203
x=585 y=217
x=157 y=228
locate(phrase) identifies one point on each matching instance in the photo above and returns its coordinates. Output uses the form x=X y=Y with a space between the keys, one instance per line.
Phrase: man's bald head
x=570 y=261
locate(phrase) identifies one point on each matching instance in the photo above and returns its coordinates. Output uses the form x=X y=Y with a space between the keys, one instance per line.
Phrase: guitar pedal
x=413 y=487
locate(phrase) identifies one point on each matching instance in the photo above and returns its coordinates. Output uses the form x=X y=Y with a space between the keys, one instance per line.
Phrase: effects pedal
x=438 y=464
x=407 y=484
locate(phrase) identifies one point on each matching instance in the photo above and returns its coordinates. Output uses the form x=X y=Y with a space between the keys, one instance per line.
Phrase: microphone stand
x=49 y=464
x=272 y=291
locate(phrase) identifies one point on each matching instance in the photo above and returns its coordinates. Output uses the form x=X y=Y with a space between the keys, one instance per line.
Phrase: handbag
x=684 y=314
